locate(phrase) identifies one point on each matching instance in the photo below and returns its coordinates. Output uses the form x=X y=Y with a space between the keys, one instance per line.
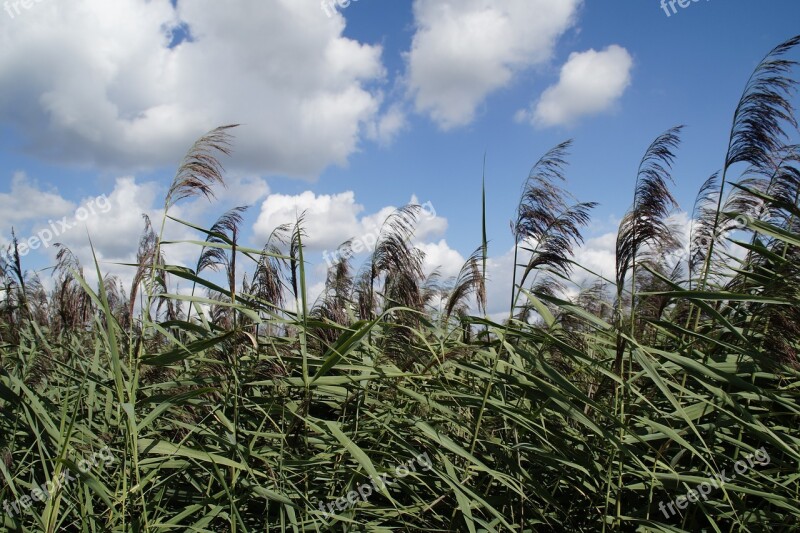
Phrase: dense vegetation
x=246 y=407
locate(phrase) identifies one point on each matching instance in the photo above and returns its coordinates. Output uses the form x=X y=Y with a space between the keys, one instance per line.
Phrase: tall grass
x=230 y=409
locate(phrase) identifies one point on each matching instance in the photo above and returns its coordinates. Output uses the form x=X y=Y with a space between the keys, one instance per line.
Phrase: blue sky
x=350 y=115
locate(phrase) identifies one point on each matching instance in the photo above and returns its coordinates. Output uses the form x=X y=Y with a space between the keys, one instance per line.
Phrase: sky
x=349 y=111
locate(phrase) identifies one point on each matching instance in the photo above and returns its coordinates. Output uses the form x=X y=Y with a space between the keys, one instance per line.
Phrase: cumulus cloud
x=388 y=126
x=26 y=202
x=107 y=226
x=590 y=83
x=114 y=222
x=330 y=220
x=464 y=50
x=115 y=231
x=101 y=83
x=597 y=254
x=439 y=256
x=244 y=190
x=327 y=219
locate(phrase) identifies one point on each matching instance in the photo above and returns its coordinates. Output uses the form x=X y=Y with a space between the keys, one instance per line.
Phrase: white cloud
x=115 y=226
x=590 y=83
x=115 y=233
x=499 y=270
x=112 y=220
x=95 y=82
x=242 y=191
x=329 y=219
x=388 y=126
x=26 y=202
x=333 y=219
x=439 y=255
x=464 y=50
x=596 y=254
x=599 y=255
